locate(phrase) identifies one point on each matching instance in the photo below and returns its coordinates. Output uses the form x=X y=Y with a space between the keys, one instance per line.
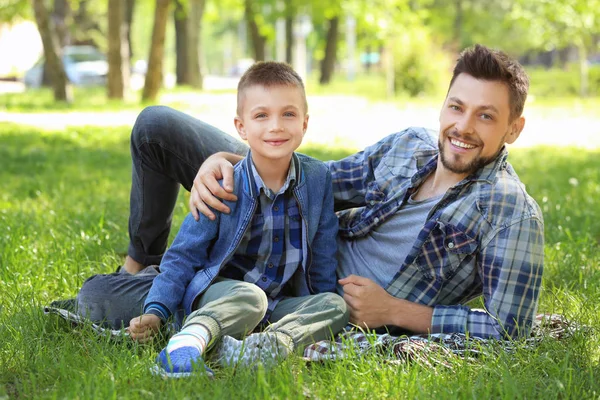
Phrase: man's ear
x=516 y=127
x=239 y=126
x=305 y=124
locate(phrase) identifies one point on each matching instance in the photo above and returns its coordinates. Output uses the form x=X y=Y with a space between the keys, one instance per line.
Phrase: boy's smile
x=273 y=120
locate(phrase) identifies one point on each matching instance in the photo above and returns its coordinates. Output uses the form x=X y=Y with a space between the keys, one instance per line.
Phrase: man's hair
x=269 y=74
x=493 y=65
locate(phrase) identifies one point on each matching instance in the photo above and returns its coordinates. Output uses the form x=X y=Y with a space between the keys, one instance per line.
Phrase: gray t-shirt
x=380 y=254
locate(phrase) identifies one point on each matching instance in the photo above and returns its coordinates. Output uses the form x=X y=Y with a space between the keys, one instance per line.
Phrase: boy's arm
x=322 y=270
x=185 y=257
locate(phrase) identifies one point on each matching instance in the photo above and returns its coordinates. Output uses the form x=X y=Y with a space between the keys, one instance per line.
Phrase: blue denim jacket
x=202 y=248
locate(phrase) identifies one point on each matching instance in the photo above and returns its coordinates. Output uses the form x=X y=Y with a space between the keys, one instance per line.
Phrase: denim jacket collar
x=252 y=186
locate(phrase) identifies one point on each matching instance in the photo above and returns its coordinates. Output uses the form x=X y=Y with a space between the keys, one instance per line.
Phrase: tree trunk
x=180 y=15
x=117 y=50
x=458 y=23
x=258 y=41
x=129 y=9
x=583 y=70
x=60 y=16
x=87 y=29
x=328 y=63
x=289 y=38
x=194 y=37
x=51 y=52
x=153 y=80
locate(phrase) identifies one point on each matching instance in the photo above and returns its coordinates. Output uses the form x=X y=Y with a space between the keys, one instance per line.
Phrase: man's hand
x=144 y=327
x=207 y=191
x=372 y=307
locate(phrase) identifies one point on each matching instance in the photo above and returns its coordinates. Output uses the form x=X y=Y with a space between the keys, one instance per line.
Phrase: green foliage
x=558 y=82
x=14 y=10
x=420 y=67
x=63 y=217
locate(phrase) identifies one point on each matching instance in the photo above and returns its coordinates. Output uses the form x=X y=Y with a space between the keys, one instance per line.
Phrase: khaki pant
x=235 y=308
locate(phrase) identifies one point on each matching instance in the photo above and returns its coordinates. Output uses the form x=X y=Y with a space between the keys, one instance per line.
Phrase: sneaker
x=264 y=347
x=181 y=363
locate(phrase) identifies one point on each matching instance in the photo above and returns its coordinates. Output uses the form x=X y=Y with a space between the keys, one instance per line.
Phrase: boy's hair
x=268 y=74
x=493 y=65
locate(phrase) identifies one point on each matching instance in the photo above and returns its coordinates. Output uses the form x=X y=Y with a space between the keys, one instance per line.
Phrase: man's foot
x=181 y=363
x=265 y=347
x=131 y=266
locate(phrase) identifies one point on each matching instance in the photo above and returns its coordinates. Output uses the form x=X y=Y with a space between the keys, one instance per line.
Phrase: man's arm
x=372 y=307
x=352 y=175
x=206 y=190
x=511 y=268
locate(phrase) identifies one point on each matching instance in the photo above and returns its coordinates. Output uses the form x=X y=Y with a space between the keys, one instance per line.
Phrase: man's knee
x=150 y=125
x=340 y=311
x=92 y=298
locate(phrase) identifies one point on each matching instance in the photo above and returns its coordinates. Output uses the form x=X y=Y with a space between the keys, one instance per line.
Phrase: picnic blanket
x=420 y=347
x=351 y=341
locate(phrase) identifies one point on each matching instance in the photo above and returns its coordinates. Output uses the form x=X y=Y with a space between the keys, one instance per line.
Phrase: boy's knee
x=252 y=295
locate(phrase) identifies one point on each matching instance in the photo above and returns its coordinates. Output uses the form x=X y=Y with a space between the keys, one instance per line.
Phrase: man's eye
x=454 y=107
x=487 y=117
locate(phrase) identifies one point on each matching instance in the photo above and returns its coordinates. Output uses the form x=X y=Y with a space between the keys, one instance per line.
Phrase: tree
x=180 y=15
x=51 y=52
x=559 y=24
x=118 y=48
x=188 y=27
x=153 y=80
x=258 y=40
x=328 y=62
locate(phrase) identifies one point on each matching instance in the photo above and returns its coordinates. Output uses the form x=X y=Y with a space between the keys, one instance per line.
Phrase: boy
x=272 y=260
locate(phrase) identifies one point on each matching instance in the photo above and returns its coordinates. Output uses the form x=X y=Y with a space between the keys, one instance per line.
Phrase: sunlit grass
x=63 y=216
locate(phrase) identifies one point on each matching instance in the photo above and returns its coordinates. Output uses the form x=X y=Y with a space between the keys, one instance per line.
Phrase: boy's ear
x=239 y=126
x=305 y=124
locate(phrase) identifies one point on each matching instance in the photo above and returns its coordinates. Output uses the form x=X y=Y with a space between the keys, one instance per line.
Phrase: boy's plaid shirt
x=484 y=237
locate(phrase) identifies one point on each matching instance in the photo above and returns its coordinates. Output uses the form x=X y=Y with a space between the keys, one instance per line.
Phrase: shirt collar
x=256 y=182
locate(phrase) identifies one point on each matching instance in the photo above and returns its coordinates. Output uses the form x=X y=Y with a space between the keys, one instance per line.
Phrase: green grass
x=63 y=216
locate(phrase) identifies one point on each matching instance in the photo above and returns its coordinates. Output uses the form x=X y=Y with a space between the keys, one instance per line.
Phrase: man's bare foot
x=132 y=266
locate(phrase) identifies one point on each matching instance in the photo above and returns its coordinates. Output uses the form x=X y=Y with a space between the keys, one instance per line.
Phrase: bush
x=420 y=66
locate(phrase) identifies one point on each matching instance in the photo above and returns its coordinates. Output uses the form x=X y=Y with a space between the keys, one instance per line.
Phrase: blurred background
x=394 y=51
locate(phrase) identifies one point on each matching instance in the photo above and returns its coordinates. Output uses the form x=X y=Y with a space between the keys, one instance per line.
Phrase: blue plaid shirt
x=484 y=237
x=270 y=251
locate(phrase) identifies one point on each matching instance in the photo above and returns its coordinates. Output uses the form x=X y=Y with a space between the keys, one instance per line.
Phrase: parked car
x=84 y=66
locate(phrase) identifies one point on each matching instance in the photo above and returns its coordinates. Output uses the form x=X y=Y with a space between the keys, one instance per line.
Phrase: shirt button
x=276 y=239
x=372 y=202
x=376 y=220
x=276 y=208
x=270 y=265
x=450 y=245
x=264 y=278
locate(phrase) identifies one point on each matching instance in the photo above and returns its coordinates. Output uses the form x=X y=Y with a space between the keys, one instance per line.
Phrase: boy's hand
x=207 y=191
x=144 y=327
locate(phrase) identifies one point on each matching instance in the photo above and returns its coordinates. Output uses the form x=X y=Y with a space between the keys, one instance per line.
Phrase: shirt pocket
x=446 y=249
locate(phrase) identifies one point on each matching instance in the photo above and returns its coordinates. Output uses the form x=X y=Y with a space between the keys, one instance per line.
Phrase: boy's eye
x=289 y=114
x=261 y=115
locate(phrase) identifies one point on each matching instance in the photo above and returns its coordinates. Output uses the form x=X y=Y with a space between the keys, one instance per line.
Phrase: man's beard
x=469 y=168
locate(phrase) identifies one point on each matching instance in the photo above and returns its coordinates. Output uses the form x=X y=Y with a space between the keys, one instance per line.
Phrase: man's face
x=273 y=120
x=474 y=124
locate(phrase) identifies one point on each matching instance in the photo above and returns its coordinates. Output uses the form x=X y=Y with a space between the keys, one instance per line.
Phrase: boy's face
x=475 y=124
x=273 y=120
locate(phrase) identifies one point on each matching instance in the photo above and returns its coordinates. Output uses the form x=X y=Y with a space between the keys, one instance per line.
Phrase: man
x=425 y=225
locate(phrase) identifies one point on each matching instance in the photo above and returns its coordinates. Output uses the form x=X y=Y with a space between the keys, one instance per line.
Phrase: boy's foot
x=264 y=347
x=181 y=363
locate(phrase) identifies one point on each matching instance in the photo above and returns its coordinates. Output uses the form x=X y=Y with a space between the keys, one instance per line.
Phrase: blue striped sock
x=196 y=336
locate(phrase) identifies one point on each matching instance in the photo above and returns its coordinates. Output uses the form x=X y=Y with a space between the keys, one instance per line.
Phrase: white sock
x=194 y=335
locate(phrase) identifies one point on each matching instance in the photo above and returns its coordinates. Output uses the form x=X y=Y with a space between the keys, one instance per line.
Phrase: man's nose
x=464 y=124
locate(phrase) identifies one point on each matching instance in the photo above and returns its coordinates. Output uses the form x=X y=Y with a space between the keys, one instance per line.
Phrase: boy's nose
x=276 y=125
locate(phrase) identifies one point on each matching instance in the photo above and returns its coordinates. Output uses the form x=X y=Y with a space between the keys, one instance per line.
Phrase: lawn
x=63 y=216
